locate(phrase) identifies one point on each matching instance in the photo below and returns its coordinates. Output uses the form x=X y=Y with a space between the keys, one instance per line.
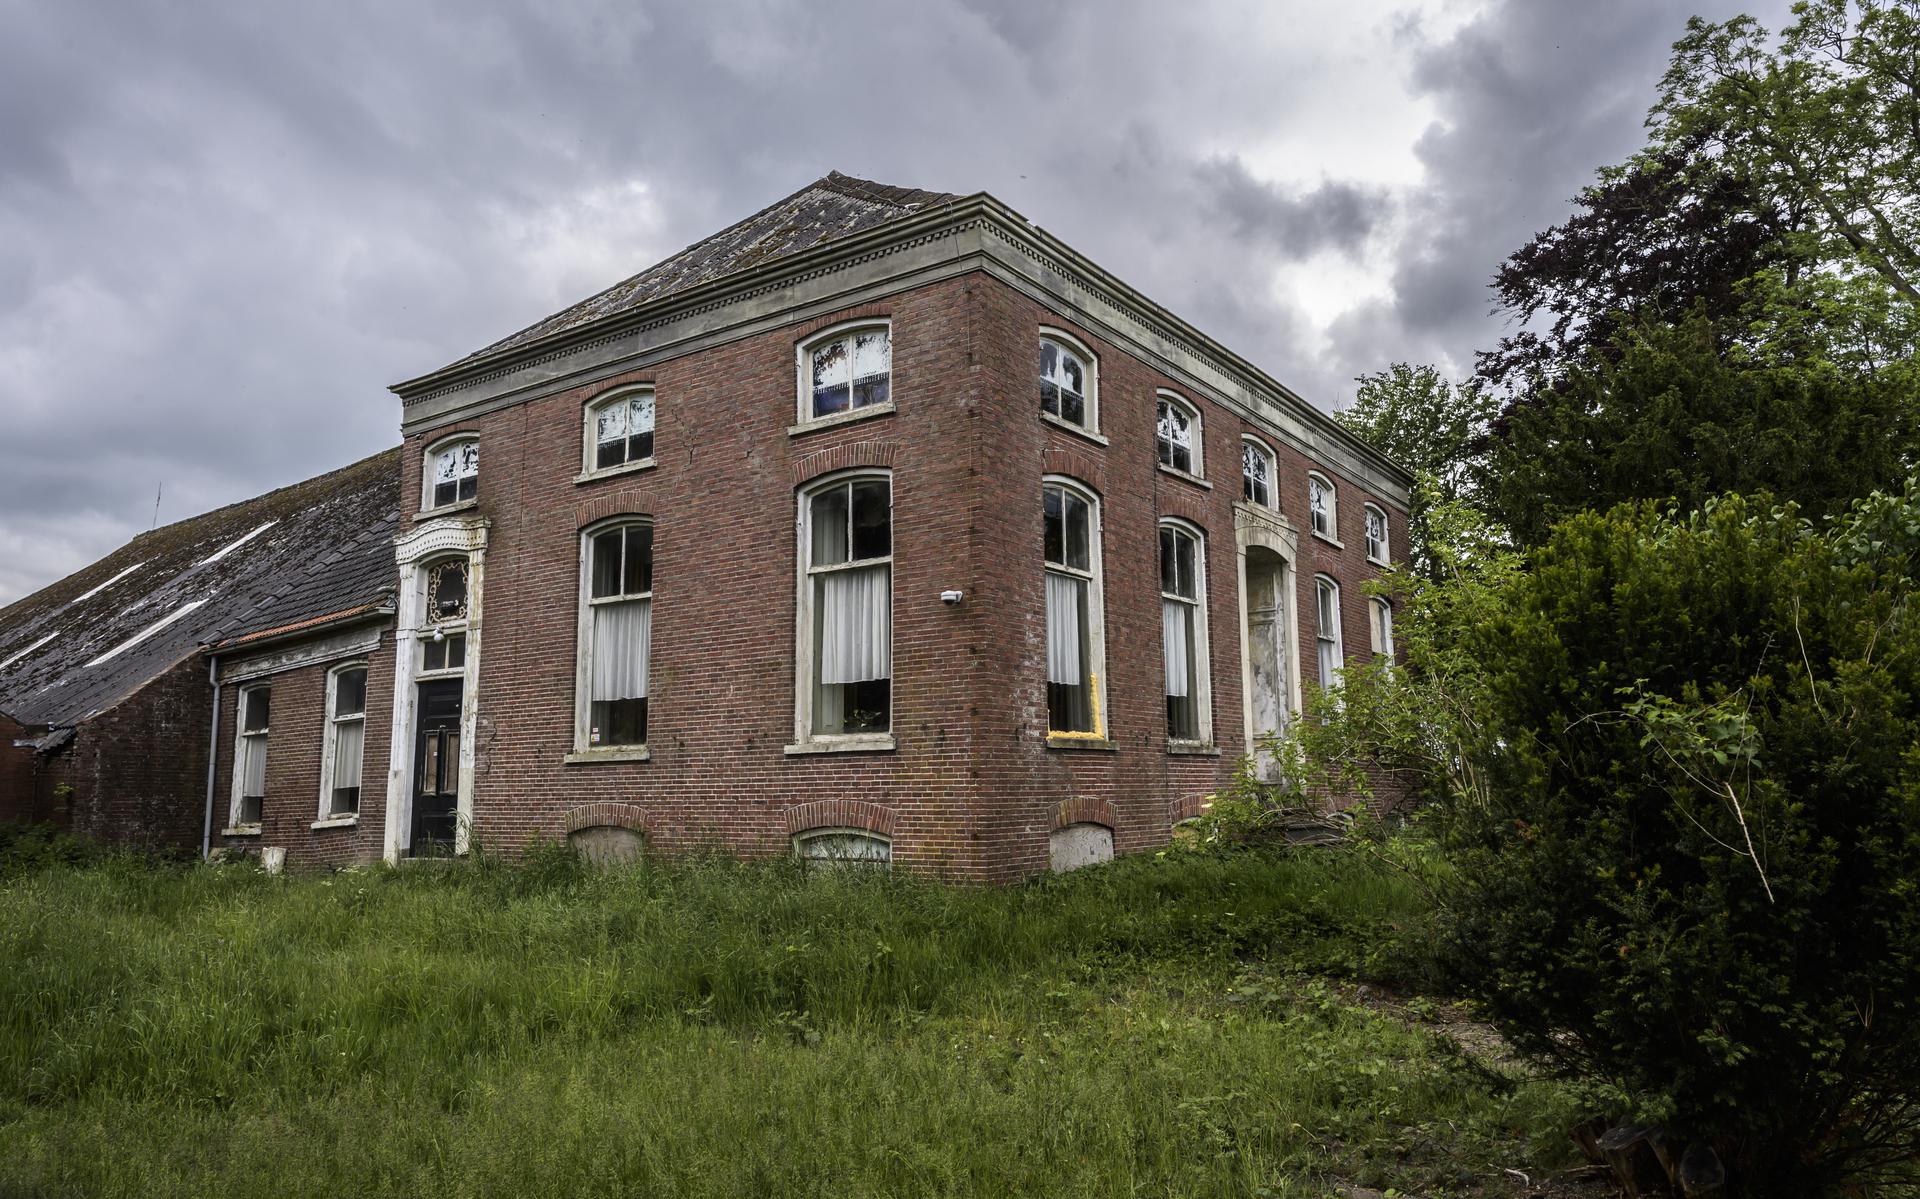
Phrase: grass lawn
x=1174 y=1026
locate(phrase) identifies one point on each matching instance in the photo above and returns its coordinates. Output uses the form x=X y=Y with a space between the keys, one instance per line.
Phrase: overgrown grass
x=718 y=1028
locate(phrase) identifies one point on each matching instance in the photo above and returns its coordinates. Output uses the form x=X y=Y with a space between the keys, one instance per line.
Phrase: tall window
x=1067 y=381
x=847 y=549
x=616 y=635
x=1327 y=629
x=1376 y=535
x=619 y=430
x=1177 y=432
x=250 y=756
x=1257 y=472
x=453 y=473
x=846 y=370
x=1381 y=611
x=1183 y=631
x=1320 y=502
x=1073 y=613
x=346 y=741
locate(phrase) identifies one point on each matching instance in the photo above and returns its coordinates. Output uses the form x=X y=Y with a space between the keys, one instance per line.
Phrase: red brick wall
x=19 y=801
x=972 y=784
x=137 y=771
x=294 y=747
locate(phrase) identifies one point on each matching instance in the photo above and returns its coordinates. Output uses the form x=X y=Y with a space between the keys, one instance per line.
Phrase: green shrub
x=1693 y=879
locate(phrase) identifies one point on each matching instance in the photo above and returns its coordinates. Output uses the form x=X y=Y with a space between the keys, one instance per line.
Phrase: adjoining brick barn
x=880 y=525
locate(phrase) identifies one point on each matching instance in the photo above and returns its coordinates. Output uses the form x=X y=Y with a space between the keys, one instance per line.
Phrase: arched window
x=1376 y=535
x=1320 y=503
x=619 y=430
x=1258 y=473
x=1069 y=387
x=1327 y=629
x=346 y=738
x=820 y=847
x=1183 y=632
x=1075 y=641
x=1177 y=434
x=1380 y=612
x=615 y=636
x=452 y=473
x=845 y=369
x=846 y=610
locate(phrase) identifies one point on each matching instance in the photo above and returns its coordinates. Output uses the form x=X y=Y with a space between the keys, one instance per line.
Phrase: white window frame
x=583 y=748
x=803 y=375
x=329 y=737
x=240 y=736
x=1332 y=508
x=1272 y=502
x=427 y=459
x=1089 y=361
x=431 y=623
x=1380 y=625
x=1196 y=433
x=1200 y=650
x=1379 y=550
x=806 y=653
x=1323 y=587
x=1096 y=647
x=803 y=838
x=589 y=432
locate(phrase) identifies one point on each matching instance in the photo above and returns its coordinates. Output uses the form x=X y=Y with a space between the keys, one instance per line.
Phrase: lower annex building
x=881 y=525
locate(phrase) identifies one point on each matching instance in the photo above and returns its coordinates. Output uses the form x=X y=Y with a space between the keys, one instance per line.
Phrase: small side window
x=1321 y=500
x=250 y=756
x=1177 y=434
x=453 y=473
x=619 y=430
x=1257 y=473
x=1376 y=535
x=1068 y=384
x=846 y=370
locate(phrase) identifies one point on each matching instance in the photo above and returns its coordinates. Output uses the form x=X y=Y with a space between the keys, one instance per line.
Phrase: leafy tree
x=1416 y=417
x=1673 y=415
x=1690 y=872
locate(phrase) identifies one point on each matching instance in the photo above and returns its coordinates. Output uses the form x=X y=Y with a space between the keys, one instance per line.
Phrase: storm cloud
x=225 y=228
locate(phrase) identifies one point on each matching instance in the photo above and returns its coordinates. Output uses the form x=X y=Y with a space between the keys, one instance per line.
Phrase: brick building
x=880 y=524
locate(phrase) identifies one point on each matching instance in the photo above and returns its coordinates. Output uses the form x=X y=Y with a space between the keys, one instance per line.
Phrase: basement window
x=828 y=847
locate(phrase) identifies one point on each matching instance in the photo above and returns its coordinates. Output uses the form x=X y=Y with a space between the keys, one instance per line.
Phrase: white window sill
x=625 y=468
x=815 y=423
x=1080 y=741
x=608 y=753
x=446 y=510
x=241 y=830
x=1177 y=473
x=1079 y=430
x=1336 y=544
x=335 y=822
x=1382 y=563
x=869 y=743
x=1195 y=749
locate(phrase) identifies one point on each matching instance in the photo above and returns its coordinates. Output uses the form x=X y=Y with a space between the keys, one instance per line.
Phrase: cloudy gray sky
x=225 y=228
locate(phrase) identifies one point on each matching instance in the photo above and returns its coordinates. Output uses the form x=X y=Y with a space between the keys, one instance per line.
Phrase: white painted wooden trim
x=324 y=815
x=805 y=740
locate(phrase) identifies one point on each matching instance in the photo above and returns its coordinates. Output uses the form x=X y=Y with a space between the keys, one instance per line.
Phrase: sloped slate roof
x=90 y=640
x=829 y=208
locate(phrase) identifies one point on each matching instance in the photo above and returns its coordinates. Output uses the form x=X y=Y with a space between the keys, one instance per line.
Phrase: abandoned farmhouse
x=881 y=524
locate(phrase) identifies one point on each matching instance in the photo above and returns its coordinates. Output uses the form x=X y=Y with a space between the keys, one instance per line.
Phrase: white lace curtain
x=1176 y=645
x=622 y=643
x=856 y=625
x=253 y=773
x=1066 y=597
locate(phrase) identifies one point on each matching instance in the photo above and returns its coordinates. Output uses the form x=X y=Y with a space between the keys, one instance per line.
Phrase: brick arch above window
x=1075 y=465
x=630 y=502
x=1193 y=509
x=840 y=813
x=1187 y=807
x=607 y=815
x=1083 y=809
x=844 y=457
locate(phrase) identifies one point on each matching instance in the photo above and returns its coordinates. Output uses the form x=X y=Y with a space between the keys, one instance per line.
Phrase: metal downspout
x=213 y=757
